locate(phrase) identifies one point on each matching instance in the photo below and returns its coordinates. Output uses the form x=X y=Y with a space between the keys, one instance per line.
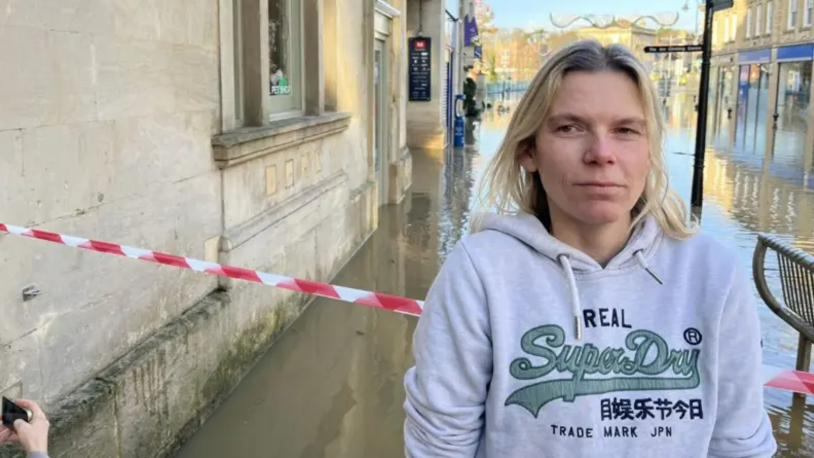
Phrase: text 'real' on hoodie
x=528 y=347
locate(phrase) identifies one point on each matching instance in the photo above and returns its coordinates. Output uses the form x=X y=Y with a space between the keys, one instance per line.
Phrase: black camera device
x=12 y=412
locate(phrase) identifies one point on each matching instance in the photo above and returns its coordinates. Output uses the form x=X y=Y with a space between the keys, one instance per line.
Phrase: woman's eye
x=626 y=131
x=565 y=129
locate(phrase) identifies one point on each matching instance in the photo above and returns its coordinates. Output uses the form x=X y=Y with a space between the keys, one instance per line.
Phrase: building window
x=285 y=56
x=792 y=21
x=237 y=68
x=749 y=23
x=769 y=18
x=264 y=47
x=759 y=20
x=809 y=6
x=734 y=27
x=726 y=30
x=794 y=99
x=714 y=31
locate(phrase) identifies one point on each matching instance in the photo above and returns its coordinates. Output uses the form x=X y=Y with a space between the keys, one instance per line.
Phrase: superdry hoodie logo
x=651 y=365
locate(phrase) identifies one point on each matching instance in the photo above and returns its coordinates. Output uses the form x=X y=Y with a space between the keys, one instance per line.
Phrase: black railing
x=796 y=269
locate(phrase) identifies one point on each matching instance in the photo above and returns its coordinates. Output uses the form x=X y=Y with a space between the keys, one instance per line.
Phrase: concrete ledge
x=247 y=143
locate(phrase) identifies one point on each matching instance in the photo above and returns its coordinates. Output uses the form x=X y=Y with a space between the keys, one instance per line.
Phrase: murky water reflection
x=332 y=386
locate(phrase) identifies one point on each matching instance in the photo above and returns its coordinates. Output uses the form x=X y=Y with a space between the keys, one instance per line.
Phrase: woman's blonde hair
x=508 y=189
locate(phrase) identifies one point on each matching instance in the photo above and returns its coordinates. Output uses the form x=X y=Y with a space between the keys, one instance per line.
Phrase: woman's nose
x=600 y=150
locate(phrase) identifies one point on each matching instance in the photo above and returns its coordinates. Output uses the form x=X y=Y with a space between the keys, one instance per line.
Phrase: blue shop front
x=752 y=99
x=793 y=98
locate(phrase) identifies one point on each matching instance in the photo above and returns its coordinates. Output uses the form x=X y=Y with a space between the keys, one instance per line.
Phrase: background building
x=762 y=71
x=678 y=73
x=634 y=38
x=264 y=134
x=438 y=24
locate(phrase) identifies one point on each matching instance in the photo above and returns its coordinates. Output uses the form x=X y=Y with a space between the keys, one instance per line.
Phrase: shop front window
x=753 y=94
x=763 y=94
x=793 y=102
x=757 y=107
x=726 y=105
x=794 y=96
x=743 y=91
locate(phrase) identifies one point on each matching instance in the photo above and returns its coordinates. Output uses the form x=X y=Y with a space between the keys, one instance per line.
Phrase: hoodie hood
x=528 y=229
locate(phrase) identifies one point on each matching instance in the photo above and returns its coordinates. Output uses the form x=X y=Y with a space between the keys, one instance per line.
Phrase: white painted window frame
x=282 y=107
x=749 y=23
x=734 y=36
x=769 y=16
x=714 y=31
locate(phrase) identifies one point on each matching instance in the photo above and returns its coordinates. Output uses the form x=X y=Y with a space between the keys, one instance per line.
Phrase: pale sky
x=527 y=14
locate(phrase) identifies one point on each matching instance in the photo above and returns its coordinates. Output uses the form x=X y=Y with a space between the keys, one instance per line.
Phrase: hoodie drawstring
x=576 y=307
x=643 y=264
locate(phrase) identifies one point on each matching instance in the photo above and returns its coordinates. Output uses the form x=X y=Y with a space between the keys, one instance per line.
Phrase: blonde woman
x=587 y=317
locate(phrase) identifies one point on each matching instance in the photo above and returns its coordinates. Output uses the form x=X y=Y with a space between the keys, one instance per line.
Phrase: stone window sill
x=248 y=143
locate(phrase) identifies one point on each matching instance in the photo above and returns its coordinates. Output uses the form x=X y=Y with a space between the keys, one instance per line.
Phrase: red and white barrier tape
x=788 y=380
x=355 y=296
x=784 y=379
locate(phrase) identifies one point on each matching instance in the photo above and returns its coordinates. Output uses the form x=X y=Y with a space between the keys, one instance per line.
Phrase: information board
x=420 y=69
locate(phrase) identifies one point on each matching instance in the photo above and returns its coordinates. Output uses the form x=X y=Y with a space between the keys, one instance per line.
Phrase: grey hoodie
x=528 y=347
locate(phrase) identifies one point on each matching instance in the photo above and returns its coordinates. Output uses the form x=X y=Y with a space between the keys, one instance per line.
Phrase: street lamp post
x=697 y=198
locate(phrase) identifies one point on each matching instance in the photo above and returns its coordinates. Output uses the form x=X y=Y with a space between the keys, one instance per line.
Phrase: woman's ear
x=525 y=155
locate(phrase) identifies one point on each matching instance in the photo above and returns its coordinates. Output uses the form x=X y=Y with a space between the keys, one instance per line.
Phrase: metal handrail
x=800 y=294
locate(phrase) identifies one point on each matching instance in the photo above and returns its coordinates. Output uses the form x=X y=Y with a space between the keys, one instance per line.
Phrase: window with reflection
x=794 y=96
x=285 y=81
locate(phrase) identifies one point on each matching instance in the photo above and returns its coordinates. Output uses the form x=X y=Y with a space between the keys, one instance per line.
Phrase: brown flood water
x=332 y=385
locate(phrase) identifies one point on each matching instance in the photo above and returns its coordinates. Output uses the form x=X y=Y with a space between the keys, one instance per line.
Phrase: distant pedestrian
x=33 y=435
x=587 y=317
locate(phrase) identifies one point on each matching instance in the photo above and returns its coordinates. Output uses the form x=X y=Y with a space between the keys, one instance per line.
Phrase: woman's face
x=592 y=152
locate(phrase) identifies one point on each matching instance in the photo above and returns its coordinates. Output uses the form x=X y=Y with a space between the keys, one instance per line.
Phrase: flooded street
x=332 y=385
